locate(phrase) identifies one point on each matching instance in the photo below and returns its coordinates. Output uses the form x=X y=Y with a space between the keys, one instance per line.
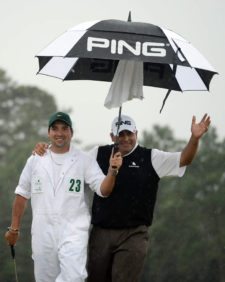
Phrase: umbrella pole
x=116 y=143
x=119 y=120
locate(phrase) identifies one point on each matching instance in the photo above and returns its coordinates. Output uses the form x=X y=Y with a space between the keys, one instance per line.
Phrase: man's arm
x=18 y=209
x=110 y=179
x=197 y=131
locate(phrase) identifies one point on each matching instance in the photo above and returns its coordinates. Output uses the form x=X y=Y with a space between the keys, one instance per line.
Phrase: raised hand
x=198 y=129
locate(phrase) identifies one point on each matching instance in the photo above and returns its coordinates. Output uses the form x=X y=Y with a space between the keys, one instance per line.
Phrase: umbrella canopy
x=92 y=51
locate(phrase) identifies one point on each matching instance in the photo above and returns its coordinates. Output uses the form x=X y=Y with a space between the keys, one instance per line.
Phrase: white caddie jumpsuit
x=61 y=218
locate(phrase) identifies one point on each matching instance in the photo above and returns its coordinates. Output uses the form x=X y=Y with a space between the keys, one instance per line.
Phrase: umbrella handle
x=114 y=151
x=115 y=148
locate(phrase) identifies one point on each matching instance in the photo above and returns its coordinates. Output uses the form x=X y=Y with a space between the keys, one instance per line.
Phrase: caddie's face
x=127 y=140
x=60 y=135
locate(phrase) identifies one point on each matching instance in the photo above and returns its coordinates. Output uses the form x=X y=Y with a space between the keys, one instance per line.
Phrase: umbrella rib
x=169 y=90
x=164 y=100
x=180 y=51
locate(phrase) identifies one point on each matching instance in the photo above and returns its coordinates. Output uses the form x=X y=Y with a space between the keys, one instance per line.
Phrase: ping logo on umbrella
x=130 y=54
x=148 y=49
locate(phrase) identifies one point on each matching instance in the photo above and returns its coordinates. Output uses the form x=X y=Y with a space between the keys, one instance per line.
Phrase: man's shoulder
x=74 y=151
x=32 y=161
x=143 y=149
x=105 y=148
x=104 y=151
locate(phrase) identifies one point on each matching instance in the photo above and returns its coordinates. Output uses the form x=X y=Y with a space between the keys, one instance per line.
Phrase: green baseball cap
x=60 y=116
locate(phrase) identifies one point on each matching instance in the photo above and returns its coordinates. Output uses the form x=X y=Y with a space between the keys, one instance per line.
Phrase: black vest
x=133 y=199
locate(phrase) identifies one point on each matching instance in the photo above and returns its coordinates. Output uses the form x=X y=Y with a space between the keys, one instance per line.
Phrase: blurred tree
x=162 y=138
x=24 y=113
x=188 y=233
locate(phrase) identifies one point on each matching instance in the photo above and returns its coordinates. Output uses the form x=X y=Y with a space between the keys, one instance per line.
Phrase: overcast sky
x=27 y=26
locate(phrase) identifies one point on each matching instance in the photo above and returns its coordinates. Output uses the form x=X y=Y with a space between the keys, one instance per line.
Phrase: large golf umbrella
x=148 y=54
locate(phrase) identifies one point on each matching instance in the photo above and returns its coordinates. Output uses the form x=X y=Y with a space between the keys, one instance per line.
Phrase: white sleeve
x=167 y=163
x=93 y=152
x=24 y=186
x=94 y=175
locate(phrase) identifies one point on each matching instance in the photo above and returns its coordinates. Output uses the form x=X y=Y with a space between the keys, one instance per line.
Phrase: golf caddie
x=61 y=219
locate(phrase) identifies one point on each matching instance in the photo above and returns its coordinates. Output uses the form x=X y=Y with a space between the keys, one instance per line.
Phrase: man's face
x=60 y=135
x=127 y=140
